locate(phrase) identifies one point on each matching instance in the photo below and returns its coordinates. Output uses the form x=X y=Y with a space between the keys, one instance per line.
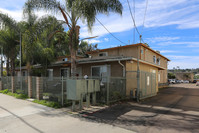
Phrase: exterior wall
x=163 y=77
x=131 y=81
x=123 y=51
x=148 y=56
x=116 y=68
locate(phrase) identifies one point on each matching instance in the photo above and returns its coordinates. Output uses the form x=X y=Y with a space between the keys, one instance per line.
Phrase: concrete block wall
x=39 y=88
x=12 y=84
x=1 y=86
x=29 y=86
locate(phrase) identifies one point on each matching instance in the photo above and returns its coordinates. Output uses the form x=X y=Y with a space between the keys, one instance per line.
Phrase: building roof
x=126 y=46
x=99 y=60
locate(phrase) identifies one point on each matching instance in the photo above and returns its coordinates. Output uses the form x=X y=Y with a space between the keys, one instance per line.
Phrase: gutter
x=123 y=68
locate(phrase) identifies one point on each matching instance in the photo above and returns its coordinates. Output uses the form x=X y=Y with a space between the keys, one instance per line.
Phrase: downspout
x=123 y=68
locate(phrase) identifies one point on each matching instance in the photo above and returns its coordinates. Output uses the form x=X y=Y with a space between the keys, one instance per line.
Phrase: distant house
x=118 y=62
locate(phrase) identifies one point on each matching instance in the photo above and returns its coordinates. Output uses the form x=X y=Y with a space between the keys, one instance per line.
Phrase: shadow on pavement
x=22 y=120
x=171 y=109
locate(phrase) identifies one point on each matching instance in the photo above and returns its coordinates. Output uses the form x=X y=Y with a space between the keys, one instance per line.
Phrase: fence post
x=107 y=90
x=62 y=91
x=29 y=86
x=39 y=87
x=94 y=94
x=1 y=84
x=12 y=84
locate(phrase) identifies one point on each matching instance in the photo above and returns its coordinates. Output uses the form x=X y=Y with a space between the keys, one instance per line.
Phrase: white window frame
x=108 y=66
x=159 y=61
x=154 y=59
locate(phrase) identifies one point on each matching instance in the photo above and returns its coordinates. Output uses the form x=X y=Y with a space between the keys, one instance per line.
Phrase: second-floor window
x=103 y=54
x=154 y=59
x=158 y=61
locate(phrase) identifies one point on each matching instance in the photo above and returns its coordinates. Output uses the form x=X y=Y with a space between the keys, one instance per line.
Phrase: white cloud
x=93 y=41
x=183 y=13
x=183 y=61
x=162 y=39
x=168 y=51
x=186 y=43
x=17 y=14
x=106 y=39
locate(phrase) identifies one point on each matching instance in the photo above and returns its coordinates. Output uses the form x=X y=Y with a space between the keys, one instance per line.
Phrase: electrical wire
x=134 y=20
x=147 y=1
x=110 y=32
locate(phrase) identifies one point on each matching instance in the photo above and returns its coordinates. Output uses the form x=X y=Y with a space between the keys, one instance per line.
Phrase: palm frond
x=88 y=9
x=9 y=22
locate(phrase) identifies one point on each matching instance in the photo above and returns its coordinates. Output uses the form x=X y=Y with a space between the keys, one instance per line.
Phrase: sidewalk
x=21 y=116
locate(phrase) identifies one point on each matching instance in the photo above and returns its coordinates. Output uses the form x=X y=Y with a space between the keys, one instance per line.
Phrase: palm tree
x=72 y=11
x=9 y=38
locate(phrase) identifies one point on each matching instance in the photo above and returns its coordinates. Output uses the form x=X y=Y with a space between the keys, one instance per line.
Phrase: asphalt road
x=173 y=110
x=20 y=116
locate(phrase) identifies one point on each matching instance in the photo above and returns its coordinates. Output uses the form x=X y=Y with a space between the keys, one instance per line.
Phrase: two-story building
x=119 y=61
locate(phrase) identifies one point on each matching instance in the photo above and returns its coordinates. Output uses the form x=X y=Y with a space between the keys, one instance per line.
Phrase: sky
x=170 y=26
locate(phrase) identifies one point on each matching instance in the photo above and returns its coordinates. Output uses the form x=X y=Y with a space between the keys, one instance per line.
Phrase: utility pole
x=20 y=65
x=138 y=71
x=1 y=62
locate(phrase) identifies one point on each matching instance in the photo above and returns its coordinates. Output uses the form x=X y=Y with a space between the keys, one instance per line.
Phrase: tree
x=37 y=47
x=9 y=38
x=72 y=11
x=10 y=48
x=84 y=47
x=171 y=76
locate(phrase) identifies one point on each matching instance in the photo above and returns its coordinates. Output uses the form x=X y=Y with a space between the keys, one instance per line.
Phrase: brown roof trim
x=126 y=46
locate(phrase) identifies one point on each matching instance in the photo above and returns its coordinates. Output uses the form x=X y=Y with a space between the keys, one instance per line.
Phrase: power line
x=133 y=17
x=110 y=32
x=147 y=1
x=134 y=20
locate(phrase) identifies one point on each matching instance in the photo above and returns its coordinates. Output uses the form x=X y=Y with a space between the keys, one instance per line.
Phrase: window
x=142 y=51
x=101 y=72
x=158 y=61
x=154 y=59
x=103 y=54
x=65 y=59
x=50 y=74
x=64 y=72
x=158 y=77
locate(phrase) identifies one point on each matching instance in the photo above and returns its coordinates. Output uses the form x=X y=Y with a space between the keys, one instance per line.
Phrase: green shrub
x=21 y=96
x=4 y=91
x=19 y=91
x=17 y=95
x=48 y=103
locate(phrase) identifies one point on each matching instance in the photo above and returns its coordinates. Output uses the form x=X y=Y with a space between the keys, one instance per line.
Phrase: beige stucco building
x=119 y=62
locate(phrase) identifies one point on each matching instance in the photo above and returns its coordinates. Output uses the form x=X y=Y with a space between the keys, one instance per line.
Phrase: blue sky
x=171 y=26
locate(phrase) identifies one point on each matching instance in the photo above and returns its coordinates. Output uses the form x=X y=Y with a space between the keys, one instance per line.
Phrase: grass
x=18 y=96
x=48 y=103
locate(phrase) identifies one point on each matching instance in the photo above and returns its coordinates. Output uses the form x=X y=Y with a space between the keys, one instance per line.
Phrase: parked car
x=172 y=81
x=197 y=83
x=178 y=81
x=194 y=81
x=186 y=81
